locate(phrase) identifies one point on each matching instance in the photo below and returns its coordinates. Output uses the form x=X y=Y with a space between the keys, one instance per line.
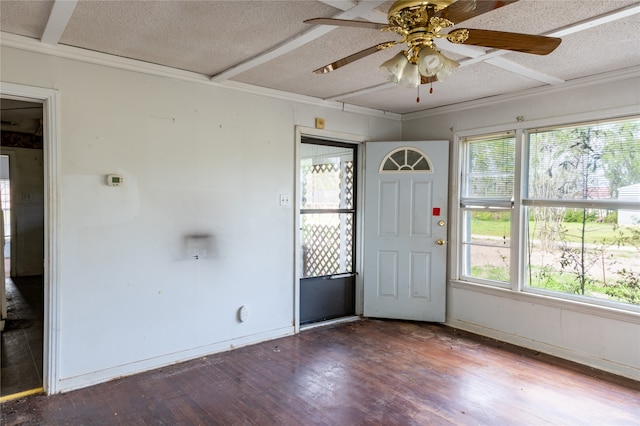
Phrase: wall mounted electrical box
x=115 y=180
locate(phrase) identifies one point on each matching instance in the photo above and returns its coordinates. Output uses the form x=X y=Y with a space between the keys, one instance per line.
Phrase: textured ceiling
x=265 y=43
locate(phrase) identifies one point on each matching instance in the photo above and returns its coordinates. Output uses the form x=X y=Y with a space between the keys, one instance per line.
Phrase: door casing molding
x=337 y=137
x=49 y=98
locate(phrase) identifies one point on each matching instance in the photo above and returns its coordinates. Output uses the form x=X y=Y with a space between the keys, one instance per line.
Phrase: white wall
x=599 y=337
x=197 y=159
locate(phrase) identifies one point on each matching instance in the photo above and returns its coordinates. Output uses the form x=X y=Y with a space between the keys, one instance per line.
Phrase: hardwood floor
x=21 y=340
x=369 y=372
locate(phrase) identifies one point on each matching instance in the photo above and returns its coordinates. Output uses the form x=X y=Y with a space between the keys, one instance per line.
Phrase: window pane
x=327 y=177
x=489 y=263
x=488 y=228
x=406 y=160
x=327 y=244
x=599 y=161
x=490 y=167
x=486 y=245
x=587 y=252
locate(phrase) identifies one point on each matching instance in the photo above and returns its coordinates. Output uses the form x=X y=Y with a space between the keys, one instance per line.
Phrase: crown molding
x=97 y=58
x=623 y=74
x=278 y=94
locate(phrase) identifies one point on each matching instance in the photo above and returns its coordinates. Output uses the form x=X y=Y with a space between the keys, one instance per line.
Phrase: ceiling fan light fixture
x=448 y=66
x=410 y=76
x=393 y=69
x=430 y=61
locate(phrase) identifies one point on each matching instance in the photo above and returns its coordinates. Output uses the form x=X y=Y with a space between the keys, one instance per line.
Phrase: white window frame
x=501 y=205
x=517 y=289
x=577 y=204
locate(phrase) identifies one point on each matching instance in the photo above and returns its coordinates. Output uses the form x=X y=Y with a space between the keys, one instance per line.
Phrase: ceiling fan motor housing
x=416 y=23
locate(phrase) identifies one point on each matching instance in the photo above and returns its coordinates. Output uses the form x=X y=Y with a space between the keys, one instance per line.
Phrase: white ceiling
x=265 y=43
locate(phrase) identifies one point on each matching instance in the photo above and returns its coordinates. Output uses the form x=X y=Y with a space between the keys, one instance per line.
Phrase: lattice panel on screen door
x=328 y=237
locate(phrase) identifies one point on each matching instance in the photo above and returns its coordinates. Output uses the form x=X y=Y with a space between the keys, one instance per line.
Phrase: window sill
x=554 y=302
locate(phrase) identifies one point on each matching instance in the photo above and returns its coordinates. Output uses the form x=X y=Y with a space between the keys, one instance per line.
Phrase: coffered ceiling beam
x=373 y=14
x=357 y=11
x=58 y=20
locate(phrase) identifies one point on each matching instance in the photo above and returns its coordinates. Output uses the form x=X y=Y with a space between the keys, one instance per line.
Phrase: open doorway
x=5 y=201
x=22 y=196
x=328 y=224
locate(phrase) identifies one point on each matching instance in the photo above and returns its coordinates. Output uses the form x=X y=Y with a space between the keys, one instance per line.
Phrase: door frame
x=51 y=155
x=335 y=137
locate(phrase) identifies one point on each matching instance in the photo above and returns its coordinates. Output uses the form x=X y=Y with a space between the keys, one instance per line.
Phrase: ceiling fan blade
x=346 y=23
x=467 y=9
x=352 y=58
x=526 y=43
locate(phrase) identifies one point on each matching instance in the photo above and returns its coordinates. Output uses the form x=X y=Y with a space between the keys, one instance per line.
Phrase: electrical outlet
x=284 y=200
x=243 y=313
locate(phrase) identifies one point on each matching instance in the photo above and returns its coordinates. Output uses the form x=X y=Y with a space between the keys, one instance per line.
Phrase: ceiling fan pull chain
x=418 y=98
x=431 y=88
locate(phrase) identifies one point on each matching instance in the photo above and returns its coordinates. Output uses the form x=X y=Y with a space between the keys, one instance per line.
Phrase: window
x=406 y=160
x=486 y=203
x=582 y=211
x=567 y=225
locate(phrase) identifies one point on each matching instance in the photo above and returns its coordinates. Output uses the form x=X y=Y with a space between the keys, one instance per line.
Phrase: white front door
x=405 y=230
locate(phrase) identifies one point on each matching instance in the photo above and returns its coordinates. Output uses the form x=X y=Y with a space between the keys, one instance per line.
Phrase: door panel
x=406 y=188
x=420 y=275
x=388 y=224
x=421 y=202
x=388 y=274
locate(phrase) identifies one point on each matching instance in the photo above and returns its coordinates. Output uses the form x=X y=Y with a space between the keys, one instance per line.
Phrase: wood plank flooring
x=369 y=372
x=21 y=340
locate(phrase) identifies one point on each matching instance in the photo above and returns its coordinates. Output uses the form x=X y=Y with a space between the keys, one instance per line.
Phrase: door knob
x=441 y=242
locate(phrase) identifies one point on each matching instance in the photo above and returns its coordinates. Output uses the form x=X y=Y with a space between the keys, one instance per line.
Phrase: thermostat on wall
x=115 y=180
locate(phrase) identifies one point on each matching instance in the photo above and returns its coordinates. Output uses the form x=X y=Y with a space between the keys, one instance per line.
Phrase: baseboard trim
x=83 y=380
x=584 y=359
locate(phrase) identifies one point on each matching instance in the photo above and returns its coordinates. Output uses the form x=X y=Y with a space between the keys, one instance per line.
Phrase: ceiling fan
x=419 y=23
